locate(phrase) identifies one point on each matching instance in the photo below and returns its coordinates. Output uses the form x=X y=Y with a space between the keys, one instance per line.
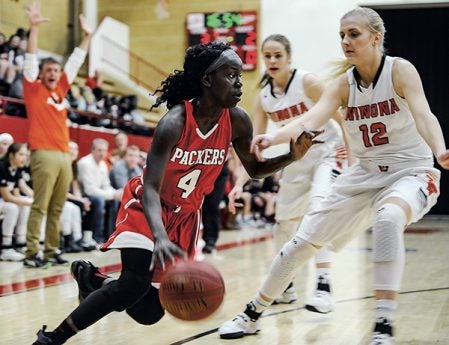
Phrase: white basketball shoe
x=238 y=327
x=320 y=302
x=287 y=297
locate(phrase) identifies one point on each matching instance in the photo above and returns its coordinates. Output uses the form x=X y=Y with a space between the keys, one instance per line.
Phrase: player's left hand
x=164 y=249
x=300 y=146
x=443 y=160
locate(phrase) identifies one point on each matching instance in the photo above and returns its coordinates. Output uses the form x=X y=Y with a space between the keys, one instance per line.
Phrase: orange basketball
x=191 y=290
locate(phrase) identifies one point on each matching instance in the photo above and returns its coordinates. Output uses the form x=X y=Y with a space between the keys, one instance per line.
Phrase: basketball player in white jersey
x=286 y=94
x=393 y=133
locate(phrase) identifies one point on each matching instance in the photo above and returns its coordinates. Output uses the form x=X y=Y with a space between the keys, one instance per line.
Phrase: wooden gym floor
x=30 y=298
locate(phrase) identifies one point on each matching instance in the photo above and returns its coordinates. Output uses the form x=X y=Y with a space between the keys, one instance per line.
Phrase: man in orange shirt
x=48 y=139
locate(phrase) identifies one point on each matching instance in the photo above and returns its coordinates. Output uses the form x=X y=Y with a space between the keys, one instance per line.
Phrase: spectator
x=93 y=175
x=6 y=140
x=48 y=138
x=88 y=211
x=95 y=81
x=113 y=155
x=142 y=159
x=14 y=207
x=126 y=168
x=4 y=62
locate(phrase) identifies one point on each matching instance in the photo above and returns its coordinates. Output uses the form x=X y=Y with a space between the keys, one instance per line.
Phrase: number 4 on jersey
x=188 y=182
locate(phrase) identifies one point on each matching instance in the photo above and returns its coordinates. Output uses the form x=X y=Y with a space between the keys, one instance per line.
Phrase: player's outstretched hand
x=443 y=160
x=259 y=143
x=303 y=143
x=165 y=250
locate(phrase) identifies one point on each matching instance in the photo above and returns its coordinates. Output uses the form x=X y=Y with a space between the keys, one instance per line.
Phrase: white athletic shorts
x=307 y=179
x=356 y=195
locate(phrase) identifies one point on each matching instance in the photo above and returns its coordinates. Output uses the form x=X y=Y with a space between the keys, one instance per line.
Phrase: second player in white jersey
x=286 y=94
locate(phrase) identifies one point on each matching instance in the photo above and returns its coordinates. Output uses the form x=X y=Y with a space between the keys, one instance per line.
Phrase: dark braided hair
x=266 y=79
x=186 y=84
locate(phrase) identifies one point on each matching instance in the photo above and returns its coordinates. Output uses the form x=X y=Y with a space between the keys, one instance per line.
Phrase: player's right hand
x=164 y=249
x=259 y=143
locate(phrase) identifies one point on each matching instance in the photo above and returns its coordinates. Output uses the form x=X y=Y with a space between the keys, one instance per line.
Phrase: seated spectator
x=129 y=112
x=95 y=81
x=265 y=199
x=93 y=175
x=77 y=101
x=142 y=159
x=16 y=86
x=126 y=168
x=117 y=152
x=71 y=228
x=87 y=212
x=14 y=207
x=11 y=50
x=6 y=140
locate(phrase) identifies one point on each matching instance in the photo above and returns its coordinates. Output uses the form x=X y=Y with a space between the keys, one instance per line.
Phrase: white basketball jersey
x=380 y=125
x=281 y=109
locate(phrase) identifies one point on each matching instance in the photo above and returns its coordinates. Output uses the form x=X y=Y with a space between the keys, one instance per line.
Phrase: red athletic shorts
x=132 y=230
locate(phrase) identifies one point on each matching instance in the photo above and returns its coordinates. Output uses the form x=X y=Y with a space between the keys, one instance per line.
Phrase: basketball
x=191 y=290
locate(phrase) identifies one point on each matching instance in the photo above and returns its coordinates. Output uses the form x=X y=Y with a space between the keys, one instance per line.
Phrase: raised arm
x=242 y=130
x=31 y=65
x=33 y=12
x=331 y=99
x=407 y=83
x=76 y=59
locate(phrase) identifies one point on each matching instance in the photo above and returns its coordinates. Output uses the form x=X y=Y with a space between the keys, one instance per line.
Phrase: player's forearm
x=269 y=166
x=291 y=131
x=153 y=210
x=431 y=132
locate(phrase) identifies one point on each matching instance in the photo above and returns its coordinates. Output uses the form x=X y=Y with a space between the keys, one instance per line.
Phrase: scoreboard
x=239 y=29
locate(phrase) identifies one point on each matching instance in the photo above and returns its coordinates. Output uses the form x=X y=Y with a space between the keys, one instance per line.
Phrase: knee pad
x=148 y=310
x=128 y=289
x=389 y=224
x=292 y=255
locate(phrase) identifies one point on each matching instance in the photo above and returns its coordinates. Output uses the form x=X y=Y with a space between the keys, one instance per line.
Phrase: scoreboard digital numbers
x=239 y=29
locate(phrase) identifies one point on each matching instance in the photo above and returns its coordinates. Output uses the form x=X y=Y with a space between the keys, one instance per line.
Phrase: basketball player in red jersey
x=160 y=214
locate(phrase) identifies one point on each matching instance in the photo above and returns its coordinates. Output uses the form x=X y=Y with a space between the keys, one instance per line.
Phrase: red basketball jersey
x=195 y=162
x=194 y=165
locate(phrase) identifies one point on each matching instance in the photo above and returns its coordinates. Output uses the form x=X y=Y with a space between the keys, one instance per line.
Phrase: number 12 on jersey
x=188 y=182
x=375 y=134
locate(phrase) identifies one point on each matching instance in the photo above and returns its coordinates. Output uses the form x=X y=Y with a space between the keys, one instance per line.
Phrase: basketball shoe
x=57 y=260
x=241 y=325
x=287 y=297
x=83 y=272
x=45 y=338
x=321 y=301
x=383 y=333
